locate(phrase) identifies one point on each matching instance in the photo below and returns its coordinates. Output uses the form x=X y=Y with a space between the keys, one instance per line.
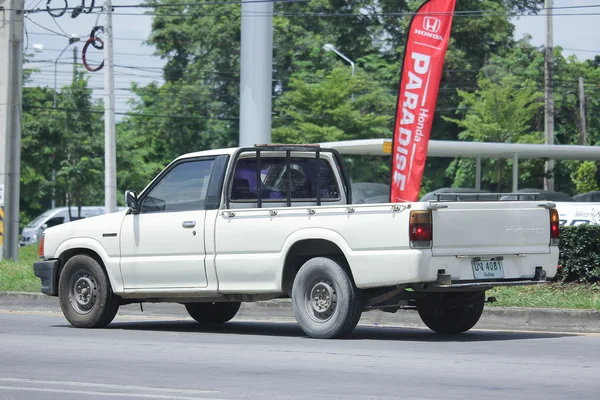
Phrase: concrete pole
x=53 y=202
x=110 y=142
x=256 y=73
x=11 y=82
x=478 y=173
x=549 y=96
x=515 y=173
x=582 y=106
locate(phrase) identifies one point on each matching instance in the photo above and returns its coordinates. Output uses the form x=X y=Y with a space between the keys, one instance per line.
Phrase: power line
x=130 y=114
x=47 y=29
x=464 y=13
x=209 y=3
x=583 y=50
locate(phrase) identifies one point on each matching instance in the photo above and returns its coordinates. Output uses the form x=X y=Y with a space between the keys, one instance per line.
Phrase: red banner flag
x=428 y=36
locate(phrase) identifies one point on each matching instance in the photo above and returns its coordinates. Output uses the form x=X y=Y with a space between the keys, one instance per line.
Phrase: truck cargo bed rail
x=470 y=196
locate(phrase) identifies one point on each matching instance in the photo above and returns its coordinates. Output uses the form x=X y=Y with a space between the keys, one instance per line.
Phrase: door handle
x=188 y=224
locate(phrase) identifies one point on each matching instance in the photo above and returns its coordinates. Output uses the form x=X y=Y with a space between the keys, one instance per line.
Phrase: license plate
x=488 y=269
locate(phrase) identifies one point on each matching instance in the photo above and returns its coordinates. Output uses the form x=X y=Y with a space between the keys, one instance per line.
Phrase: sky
x=134 y=61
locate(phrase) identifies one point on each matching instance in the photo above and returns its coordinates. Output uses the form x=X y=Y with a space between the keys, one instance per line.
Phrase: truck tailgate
x=491 y=228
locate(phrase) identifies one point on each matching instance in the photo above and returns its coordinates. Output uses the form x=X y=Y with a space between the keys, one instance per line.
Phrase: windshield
x=37 y=221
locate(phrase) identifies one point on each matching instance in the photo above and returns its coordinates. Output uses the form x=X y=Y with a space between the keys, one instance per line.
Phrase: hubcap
x=321 y=300
x=82 y=292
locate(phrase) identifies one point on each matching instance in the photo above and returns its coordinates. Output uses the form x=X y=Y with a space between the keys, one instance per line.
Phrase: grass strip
x=553 y=295
x=18 y=276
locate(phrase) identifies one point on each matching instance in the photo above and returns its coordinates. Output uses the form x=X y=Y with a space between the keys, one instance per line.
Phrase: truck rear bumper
x=516 y=268
x=445 y=282
x=46 y=270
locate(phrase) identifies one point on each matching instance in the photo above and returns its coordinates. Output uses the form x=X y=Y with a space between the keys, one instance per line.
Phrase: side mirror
x=131 y=200
x=44 y=227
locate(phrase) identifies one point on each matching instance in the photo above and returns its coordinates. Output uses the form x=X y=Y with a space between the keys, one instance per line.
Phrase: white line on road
x=113 y=394
x=106 y=386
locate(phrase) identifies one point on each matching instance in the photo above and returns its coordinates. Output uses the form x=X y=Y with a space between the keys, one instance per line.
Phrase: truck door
x=163 y=246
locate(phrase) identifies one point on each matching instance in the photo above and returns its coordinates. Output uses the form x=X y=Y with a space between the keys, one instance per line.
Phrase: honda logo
x=432 y=24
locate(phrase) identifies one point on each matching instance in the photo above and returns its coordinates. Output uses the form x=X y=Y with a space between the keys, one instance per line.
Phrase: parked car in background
x=56 y=216
x=433 y=196
x=538 y=194
x=369 y=192
x=577 y=210
x=589 y=197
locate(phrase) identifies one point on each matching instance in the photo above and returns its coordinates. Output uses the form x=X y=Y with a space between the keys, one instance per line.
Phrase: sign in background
x=427 y=41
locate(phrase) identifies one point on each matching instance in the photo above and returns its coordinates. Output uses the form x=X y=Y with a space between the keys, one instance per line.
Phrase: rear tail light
x=420 y=229
x=41 y=247
x=554 y=227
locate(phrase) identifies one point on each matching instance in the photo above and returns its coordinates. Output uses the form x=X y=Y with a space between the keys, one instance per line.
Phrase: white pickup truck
x=220 y=227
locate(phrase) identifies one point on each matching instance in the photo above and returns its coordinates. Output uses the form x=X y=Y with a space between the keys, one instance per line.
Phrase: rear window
x=275 y=180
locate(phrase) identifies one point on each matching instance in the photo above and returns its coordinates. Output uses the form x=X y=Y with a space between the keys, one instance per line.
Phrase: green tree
x=501 y=112
x=37 y=152
x=584 y=177
x=337 y=107
x=80 y=150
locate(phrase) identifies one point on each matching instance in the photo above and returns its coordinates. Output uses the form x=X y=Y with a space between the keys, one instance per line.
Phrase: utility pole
x=74 y=64
x=549 y=96
x=582 y=117
x=256 y=72
x=11 y=83
x=110 y=142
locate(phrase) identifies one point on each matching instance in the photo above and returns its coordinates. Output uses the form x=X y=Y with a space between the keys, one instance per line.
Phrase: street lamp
x=39 y=48
x=330 y=47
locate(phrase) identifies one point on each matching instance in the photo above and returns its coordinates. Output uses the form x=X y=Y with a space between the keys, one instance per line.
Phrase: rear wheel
x=213 y=312
x=85 y=295
x=451 y=313
x=325 y=301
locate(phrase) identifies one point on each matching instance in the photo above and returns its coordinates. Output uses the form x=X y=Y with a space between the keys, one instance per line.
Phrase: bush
x=579 y=254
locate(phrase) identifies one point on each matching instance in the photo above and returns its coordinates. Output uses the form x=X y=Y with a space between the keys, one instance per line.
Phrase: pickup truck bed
x=220 y=227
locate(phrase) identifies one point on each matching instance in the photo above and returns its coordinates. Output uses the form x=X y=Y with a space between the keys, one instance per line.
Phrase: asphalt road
x=42 y=357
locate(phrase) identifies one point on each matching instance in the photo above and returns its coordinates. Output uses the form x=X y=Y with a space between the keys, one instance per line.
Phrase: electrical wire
x=59 y=27
x=91 y=40
x=26 y=41
x=130 y=114
x=53 y=11
x=47 y=29
x=393 y=14
x=204 y=4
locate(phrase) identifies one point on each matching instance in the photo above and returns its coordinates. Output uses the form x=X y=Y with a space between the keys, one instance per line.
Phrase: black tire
x=214 y=312
x=85 y=295
x=325 y=301
x=452 y=319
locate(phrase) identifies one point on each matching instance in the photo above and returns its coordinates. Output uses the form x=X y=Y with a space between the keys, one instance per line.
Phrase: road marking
x=112 y=394
x=106 y=386
x=119 y=316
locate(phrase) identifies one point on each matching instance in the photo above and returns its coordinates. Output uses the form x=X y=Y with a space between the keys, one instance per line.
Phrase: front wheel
x=213 y=312
x=85 y=295
x=325 y=301
x=451 y=313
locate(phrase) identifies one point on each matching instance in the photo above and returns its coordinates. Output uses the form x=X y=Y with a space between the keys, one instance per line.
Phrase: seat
x=241 y=190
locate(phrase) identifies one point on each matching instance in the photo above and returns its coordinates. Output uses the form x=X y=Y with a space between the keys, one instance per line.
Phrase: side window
x=183 y=188
x=55 y=221
x=276 y=177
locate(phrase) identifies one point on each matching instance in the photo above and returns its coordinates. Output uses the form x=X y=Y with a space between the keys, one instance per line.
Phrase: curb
x=493 y=318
